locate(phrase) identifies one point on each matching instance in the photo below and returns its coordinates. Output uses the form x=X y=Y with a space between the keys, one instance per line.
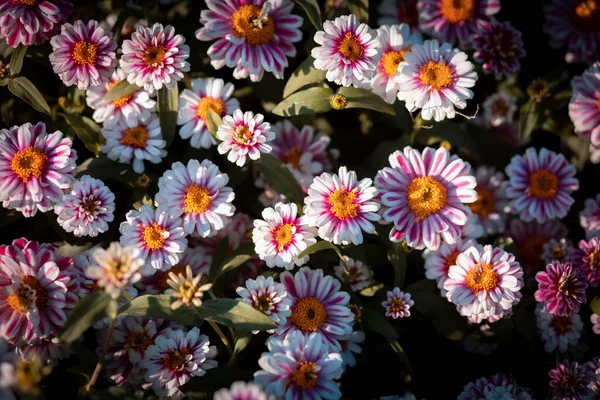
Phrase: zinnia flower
x=83 y=54
x=438 y=262
x=595 y=320
x=499 y=109
x=49 y=350
x=568 y=381
x=186 y=288
x=253 y=37
x=349 y=51
x=435 y=79
x=154 y=57
x=583 y=106
x=498 y=46
x=341 y=206
x=398 y=304
x=394 y=12
x=424 y=195
x=37 y=168
x=498 y=386
x=244 y=134
x=194 y=105
x=587 y=260
x=357 y=275
x=589 y=217
x=558 y=331
x=562 y=287
x=558 y=250
x=242 y=391
x=268 y=297
x=115 y=269
x=592 y=370
x=491 y=200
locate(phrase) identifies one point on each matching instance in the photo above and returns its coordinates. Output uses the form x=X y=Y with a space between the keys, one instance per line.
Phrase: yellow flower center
x=175 y=360
x=308 y=314
x=391 y=59
x=484 y=205
x=154 y=55
x=135 y=137
x=154 y=236
x=542 y=184
x=242 y=134
x=30 y=290
x=29 y=162
x=481 y=277
x=426 y=196
x=586 y=16
x=121 y=101
x=451 y=259
x=293 y=157
x=338 y=101
x=305 y=376
x=595 y=259
x=247 y=23
x=343 y=204
x=138 y=341
x=350 y=47
x=210 y=103
x=561 y=324
x=457 y=11
x=532 y=248
x=263 y=303
x=197 y=199
x=25 y=2
x=437 y=75
x=85 y=53
x=283 y=235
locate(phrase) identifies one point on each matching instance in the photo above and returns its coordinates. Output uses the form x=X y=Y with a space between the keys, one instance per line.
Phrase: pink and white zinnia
x=282 y=236
x=485 y=283
x=244 y=135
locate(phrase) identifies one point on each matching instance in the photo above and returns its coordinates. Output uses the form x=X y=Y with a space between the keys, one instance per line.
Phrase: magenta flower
x=398 y=304
x=498 y=386
x=562 y=287
x=589 y=217
x=244 y=135
x=569 y=381
x=587 y=259
x=583 y=106
x=499 y=47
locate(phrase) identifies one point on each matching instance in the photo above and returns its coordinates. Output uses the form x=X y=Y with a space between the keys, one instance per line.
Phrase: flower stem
x=100 y=364
x=222 y=336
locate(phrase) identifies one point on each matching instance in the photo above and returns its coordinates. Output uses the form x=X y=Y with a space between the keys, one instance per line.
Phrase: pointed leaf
x=167 y=106
x=243 y=253
x=595 y=305
x=375 y=322
x=121 y=89
x=309 y=101
x=16 y=59
x=213 y=121
x=280 y=178
x=242 y=340
x=25 y=90
x=159 y=306
x=236 y=314
x=87 y=311
x=360 y=8
x=529 y=117
x=363 y=98
x=312 y=11
x=99 y=168
x=305 y=74
x=403 y=357
x=219 y=256
x=87 y=130
x=323 y=245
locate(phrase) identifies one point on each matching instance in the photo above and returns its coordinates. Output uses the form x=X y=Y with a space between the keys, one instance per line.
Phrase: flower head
x=491 y=200
x=358 y=274
x=195 y=104
x=587 y=260
x=252 y=37
x=351 y=346
x=583 y=106
x=595 y=320
x=435 y=79
x=498 y=386
x=499 y=47
x=83 y=54
x=186 y=288
x=558 y=250
x=116 y=268
x=423 y=195
x=568 y=380
x=268 y=297
x=398 y=304
x=242 y=391
x=530 y=239
x=37 y=168
x=592 y=370
x=155 y=56
x=349 y=51
x=558 y=331
x=438 y=262
x=299 y=366
x=499 y=109
x=562 y=287
x=244 y=134
x=49 y=350
x=589 y=217
x=395 y=12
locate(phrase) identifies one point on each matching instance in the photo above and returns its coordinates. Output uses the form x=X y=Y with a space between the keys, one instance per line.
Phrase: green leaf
x=236 y=314
x=16 y=60
x=213 y=121
x=280 y=178
x=215 y=379
x=360 y=8
x=25 y=90
x=219 y=256
x=87 y=130
x=595 y=305
x=87 y=311
x=423 y=285
x=100 y=168
x=529 y=117
x=371 y=290
x=167 y=106
x=363 y=98
x=305 y=74
x=403 y=357
x=398 y=260
x=309 y=101
x=323 y=245
x=159 y=306
x=239 y=257
x=242 y=340
x=375 y=322
x=312 y=11
x=121 y=89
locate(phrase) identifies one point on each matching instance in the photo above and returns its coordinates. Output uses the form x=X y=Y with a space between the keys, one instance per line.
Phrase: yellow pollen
x=426 y=196
x=343 y=204
x=121 y=101
x=437 y=75
x=210 y=103
x=138 y=341
x=293 y=157
x=242 y=134
x=561 y=324
x=531 y=250
x=90 y=206
x=305 y=376
x=391 y=59
x=175 y=360
x=542 y=184
x=197 y=199
x=30 y=290
x=451 y=259
x=29 y=162
x=135 y=137
x=85 y=53
x=481 y=277
x=154 y=55
x=283 y=235
x=25 y=2
x=308 y=314
x=586 y=16
x=338 y=101
x=457 y=11
x=350 y=47
x=484 y=205
x=154 y=236
x=263 y=303
x=247 y=23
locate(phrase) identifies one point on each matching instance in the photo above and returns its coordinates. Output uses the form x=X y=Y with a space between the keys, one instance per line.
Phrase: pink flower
x=589 y=217
x=499 y=47
x=438 y=262
x=562 y=287
x=398 y=304
x=595 y=320
x=583 y=106
x=569 y=381
x=587 y=260
x=490 y=206
x=244 y=134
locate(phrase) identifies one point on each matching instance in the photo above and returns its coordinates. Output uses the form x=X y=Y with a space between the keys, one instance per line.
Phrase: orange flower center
x=263 y=303
x=29 y=162
x=293 y=157
x=305 y=376
x=25 y=2
x=135 y=137
x=484 y=205
x=437 y=75
x=391 y=59
x=542 y=184
x=350 y=47
x=247 y=23
x=85 y=53
x=197 y=199
x=308 y=314
x=561 y=324
x=242 y=134
x=343 y=204
x=586 y=16
x=451 y=259
x=426 y=196
x=154 y=55
x=121 y=101
x=138 y=341
x=457 y=11
x=29 y=291
x=396 y=305
x=595 y=259
x=531 y=250
x=90 y=206
x=175 y=360
x=408 y=12
x=481 y=277
x=210 y=103
x=154 y=236
x=283 y=235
